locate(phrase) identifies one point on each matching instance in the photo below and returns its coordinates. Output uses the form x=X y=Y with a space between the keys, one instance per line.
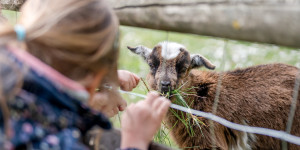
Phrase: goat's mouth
x=166 y=91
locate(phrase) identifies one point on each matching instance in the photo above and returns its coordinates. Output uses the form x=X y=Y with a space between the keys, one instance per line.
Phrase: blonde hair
x=75 y=37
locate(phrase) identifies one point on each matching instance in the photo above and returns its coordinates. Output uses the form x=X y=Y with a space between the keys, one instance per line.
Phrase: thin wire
x=293 y=108
x=257 y=130
x=163 y=67
x=119 y=117
x=164 y=61
x=216 y=100
x=294 y=103
x=244 y=128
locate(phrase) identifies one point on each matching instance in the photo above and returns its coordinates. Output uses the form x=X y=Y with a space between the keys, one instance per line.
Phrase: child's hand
x=108 y=102
x=127 y=80
x=141 y=121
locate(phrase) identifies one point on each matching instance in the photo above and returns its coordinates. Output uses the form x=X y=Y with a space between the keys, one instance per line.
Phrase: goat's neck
x=195 y=78
x=191 y=88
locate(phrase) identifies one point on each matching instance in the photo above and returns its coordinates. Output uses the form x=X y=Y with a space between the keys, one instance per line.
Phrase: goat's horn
x=140 y=50
x=132 y=49
x=199 y=60
x=207 y=63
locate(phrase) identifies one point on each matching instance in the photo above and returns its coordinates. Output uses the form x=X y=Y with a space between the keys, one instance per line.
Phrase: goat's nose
x=165 y=83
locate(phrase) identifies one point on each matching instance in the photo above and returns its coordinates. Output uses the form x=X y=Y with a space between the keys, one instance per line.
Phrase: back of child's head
x=75 y=37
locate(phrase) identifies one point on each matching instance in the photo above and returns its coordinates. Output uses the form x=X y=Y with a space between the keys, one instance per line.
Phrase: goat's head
x=170 y=63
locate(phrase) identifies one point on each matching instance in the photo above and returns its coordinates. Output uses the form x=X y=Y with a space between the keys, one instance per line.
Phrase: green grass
x=11 y=16
x=238 y=54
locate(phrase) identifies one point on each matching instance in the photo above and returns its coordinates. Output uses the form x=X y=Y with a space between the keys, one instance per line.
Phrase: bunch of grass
x=163 y=134
x=187 y=119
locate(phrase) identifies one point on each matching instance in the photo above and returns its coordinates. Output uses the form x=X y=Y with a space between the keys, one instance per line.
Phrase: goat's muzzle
x=165 y=87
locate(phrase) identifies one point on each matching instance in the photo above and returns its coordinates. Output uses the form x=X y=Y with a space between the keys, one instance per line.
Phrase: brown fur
x=260 y=96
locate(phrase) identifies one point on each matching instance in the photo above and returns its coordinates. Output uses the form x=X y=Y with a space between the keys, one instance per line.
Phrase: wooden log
x=274 y=22
x=11 y=4
x=265 y=21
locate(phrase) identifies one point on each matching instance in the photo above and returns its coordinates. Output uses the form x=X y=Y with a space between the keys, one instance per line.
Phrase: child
x=52 y=62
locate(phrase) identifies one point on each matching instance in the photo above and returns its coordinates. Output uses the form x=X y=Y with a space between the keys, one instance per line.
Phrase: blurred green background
x=225 y=54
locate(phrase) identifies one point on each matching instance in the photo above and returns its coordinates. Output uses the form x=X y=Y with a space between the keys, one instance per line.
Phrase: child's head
x=72 y=36
x=78 y=38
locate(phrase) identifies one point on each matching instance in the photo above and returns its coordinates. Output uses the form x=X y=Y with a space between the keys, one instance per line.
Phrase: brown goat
x=258 y=96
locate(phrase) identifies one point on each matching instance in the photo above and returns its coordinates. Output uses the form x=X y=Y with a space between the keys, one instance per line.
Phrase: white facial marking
x=170 y=50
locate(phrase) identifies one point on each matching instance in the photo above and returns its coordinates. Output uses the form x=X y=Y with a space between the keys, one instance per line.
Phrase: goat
x=256 y=96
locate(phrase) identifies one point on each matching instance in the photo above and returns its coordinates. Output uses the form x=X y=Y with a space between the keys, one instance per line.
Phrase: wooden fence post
x=265 y=21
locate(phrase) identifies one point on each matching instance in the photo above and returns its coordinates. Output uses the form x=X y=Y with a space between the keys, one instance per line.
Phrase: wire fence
x=292 y=109
x=244 y=128
x=216 y=100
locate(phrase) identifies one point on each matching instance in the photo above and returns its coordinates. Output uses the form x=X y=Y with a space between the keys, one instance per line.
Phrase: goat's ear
x=199 y=61
x=141 y=50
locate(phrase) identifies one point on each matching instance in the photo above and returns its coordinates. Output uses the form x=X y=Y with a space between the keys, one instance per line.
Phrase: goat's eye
x=151 y=65
x=181 y=69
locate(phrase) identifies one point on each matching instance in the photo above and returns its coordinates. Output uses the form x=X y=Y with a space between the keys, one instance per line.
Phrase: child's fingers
x=151 y=96
x=122 y=107
x=127 y=116
x=133 y=82
x=122 y=104
x=157 y=102
x=163 y=108
x=137 y=78
x=115 y=110
x=109 y=113
x=125 y=87
x=122 y=86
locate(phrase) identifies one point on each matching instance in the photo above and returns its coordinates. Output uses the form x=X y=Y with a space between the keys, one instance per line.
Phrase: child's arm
x=142 y=120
